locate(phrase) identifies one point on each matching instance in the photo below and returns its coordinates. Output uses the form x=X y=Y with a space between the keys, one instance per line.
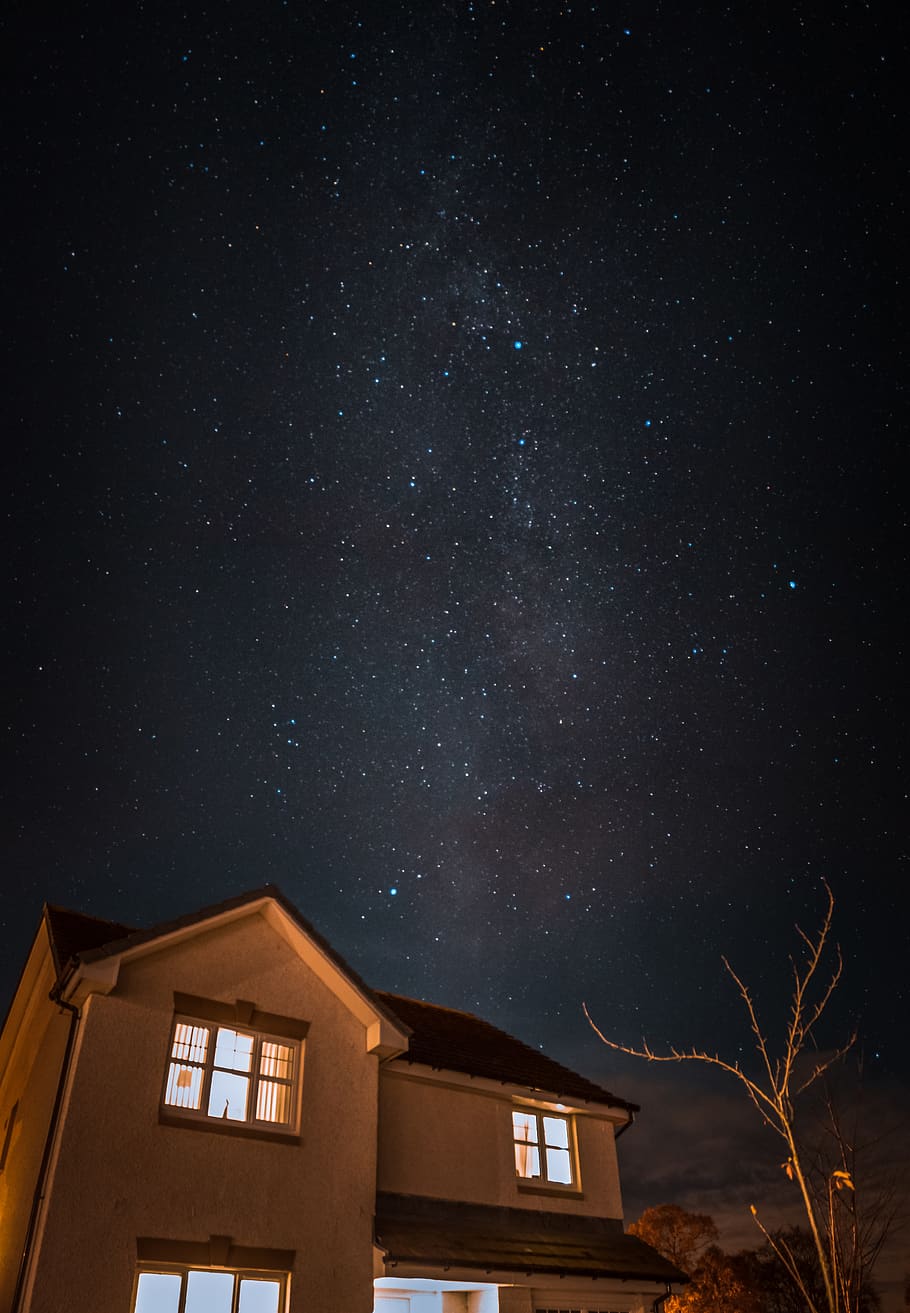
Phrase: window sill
x=553 y=1191
x=218 y=1126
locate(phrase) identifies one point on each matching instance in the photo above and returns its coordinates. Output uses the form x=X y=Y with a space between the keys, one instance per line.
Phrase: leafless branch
x=846 y=1240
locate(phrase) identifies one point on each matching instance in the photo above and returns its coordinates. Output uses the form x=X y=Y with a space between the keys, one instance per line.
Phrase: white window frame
x=239 y=1274
x=207 y=1066
x=542 y=1179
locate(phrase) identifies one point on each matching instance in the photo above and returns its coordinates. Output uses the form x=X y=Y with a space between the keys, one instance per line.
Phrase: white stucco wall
x=456 y=1143
x=120 y=1174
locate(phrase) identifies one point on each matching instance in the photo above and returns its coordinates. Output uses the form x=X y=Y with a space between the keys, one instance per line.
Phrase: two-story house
x=217 y=1115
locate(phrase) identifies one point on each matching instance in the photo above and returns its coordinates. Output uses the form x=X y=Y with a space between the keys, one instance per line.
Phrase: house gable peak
x=88 y=954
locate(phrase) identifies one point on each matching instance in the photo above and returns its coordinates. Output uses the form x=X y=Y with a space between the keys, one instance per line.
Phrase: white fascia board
x=543 y=1284
x=598 y=1288
x=383 y=1037
x=98 y=977
x=495 y=1089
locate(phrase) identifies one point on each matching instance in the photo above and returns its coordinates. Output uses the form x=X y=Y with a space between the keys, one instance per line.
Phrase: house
x=217 y=1115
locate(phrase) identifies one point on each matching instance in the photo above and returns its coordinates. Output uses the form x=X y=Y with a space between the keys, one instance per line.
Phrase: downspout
x=622 y=1130
x=662 y=1299
x=41 y=1182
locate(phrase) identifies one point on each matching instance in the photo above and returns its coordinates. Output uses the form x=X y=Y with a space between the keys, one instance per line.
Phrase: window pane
x=276 y=1060
x=209 y=1292
x=559 y=1166
x=228 y=1096
x=524 y=1125
x=259 y=1296
x=184 y=1086
x=273 y=1102
x=527 y=1159
x=190 y=1042
x=556 y=1132
x=158 y=1292
x=233 y=1050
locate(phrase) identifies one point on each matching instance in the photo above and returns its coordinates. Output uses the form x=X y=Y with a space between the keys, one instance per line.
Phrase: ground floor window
x=207 y=1290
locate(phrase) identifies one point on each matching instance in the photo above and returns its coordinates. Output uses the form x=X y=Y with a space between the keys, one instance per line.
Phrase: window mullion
x=541 y=1147
x=244 y=1075
x=254 y=1078
x=208 y=1070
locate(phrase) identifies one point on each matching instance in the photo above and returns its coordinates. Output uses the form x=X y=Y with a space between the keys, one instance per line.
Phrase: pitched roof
x=416 y=1230
x=458 y=1041
x=76 y=938
x=88 y=938
x=71 y=933
x=442 y=1037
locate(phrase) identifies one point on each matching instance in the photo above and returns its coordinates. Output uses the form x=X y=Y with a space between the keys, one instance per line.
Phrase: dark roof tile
x=458 y=1041
x=417 y=1230
x=71 y=933
x=442 y=1037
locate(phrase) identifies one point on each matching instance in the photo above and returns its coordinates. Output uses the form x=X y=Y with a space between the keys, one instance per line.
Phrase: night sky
x=453 y=475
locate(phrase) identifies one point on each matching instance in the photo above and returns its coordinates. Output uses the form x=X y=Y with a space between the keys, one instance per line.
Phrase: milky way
x=454 y=477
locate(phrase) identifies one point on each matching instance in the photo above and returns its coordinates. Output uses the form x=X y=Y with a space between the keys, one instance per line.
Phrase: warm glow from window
x=543 y=1149
x=197 y=1290
x=234 y=1075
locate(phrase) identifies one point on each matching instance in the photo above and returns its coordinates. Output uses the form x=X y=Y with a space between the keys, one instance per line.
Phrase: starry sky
x=452 y=473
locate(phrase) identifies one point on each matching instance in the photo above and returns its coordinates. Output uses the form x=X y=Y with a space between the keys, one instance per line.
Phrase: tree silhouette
x=844 y=1239
x=679 y=1235
x=751 y=1281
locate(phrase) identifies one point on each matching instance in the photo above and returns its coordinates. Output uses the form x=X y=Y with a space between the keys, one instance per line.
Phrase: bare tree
x=859 y=1213
x=845 y=1243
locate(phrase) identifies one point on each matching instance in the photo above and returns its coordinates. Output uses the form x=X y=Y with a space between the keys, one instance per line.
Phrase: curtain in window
x=527 y=1152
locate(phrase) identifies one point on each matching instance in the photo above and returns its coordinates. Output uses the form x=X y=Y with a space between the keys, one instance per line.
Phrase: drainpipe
x=41 y=1182
x=622 y=1130
x=662 y=1299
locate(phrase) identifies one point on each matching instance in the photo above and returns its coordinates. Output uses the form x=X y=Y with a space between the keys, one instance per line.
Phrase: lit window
x=227 y=1073
x=543 y=1147
x=202 y=1290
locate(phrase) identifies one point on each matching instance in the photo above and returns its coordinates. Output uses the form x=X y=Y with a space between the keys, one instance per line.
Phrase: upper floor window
x=543 y=1147
x=239 y=1075
x=234 y=1065
x=203 y=1290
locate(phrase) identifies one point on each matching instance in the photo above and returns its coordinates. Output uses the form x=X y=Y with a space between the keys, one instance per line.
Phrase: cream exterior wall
x=594 y=1298
x=515 y=1299
x=588 y=1295
x=456 y=1143
x=31 y=1054
x=119 y=1174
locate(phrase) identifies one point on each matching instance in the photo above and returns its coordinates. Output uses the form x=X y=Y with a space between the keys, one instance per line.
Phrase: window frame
x=262 y=1028
x=240 y=1274
x=543 y=1182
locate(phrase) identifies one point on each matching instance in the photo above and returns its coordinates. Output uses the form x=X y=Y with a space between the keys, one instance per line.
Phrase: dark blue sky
x=453 y=475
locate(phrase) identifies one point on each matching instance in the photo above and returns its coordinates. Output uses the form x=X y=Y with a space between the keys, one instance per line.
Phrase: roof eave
x=616 y=1111
x=97 y=970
